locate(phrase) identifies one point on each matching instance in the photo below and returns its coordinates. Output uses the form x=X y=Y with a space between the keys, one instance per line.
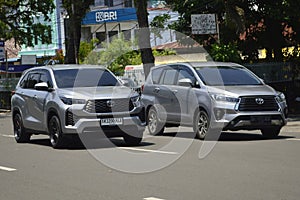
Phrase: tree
x=258 y=23
x=76 y=11
x=144 y=35
x=24 y=20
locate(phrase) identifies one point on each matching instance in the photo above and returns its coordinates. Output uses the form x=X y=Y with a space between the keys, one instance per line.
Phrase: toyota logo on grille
x=110 y=103
x=259 y=101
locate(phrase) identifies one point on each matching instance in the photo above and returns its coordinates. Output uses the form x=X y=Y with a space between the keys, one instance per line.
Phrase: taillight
x=13 y=92
x=142 y=88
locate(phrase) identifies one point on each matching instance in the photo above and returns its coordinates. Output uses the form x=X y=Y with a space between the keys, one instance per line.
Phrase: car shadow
x=77 y=144
x=228 y=136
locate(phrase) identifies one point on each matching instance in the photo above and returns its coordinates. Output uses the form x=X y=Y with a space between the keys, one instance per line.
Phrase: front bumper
x=230 y=118
x=79 y=121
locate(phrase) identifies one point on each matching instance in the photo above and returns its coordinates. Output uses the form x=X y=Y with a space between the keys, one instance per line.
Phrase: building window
x=109 y=3
x=128 y=3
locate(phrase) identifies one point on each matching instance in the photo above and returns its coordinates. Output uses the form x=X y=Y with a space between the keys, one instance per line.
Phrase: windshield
x=226 y=76
x=68 y=78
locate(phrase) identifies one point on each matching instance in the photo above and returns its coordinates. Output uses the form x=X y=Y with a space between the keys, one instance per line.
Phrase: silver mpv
x=209 y=96
x=67 y=100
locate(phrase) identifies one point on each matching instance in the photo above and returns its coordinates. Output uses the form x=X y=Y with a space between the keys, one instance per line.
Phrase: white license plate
x=111 y=121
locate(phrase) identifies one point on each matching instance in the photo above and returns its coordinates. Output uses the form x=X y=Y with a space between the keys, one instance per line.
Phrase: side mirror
x=43 y=86
x=186 y=82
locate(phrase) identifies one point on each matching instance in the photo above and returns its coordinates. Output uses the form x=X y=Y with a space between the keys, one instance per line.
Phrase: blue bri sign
x=106 y=16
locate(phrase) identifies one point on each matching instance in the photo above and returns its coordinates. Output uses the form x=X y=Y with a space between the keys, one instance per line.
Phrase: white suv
x=211 y=95
x=62 y=100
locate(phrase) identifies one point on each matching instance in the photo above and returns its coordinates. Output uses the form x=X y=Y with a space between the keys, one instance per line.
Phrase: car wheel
x=201 y=124
x=20 y=133
x=55 y=132
x=155 y=127
x=270 y=132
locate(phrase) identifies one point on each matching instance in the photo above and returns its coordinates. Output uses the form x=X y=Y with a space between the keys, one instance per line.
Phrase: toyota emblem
x=259 y=101
x=110 y=103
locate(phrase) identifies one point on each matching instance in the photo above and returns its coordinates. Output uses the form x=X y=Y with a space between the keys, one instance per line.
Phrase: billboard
x=204 y=24
x=28 y=59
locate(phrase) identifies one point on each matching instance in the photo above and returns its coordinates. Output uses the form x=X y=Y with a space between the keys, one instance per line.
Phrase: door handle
x=35 y=97
x=157 y=89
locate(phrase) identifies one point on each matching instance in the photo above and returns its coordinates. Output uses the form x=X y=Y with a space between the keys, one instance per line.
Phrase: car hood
x=107 y=92
x=244 y=90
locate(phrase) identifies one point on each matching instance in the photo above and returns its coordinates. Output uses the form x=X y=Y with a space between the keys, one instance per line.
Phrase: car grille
x=250 y=103
x=109 y=105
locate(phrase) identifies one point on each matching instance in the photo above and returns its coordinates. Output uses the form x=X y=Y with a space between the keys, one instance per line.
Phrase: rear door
x=34 y=100
x=166 y=93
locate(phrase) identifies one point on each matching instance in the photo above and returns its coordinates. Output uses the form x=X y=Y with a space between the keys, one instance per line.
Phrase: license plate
x=260 y=119
x=111 y=121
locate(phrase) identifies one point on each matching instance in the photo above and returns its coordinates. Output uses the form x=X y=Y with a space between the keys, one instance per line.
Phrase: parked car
x=62 y=100
x=131 y=84
x=207 y=95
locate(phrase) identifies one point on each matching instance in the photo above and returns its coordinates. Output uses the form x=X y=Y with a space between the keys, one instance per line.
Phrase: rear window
x=68 y=78
x=227 y=76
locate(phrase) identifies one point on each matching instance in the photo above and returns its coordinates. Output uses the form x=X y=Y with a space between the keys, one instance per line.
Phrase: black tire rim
x=202 y=124
x=54 y=130
x=17 y=126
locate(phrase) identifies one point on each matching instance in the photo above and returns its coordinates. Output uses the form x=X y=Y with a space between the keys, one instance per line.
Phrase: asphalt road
x=242 y=165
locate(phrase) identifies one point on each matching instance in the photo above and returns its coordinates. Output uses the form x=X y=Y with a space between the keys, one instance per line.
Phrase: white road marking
x=7 y=169
x=152 y=198
x=9 y=136
x=293 y=139
x=148 y=150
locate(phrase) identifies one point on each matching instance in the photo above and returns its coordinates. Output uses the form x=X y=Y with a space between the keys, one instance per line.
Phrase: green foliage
x=86 y=48
x=225 y=53
x=93 y=58
x=119 y=53
x=158 y=24
x=293 y=57
x=164 y=52
x=25 y=20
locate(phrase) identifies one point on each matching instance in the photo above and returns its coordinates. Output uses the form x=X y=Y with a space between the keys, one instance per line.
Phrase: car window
x=45 y=77
x=183 y=73
x=227 y=76
x=23 y=82
x=168 y=77
x=68 y=78
x=156 y=73
x=32 y=79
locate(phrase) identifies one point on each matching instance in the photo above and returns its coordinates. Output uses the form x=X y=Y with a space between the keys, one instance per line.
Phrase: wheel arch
x=51 y=112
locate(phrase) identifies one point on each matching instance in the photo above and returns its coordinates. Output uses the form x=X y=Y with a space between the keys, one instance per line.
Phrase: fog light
x=219 y=113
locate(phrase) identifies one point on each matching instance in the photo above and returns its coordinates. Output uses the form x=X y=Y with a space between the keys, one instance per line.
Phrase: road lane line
x=293 y=139
x=152 y=198
x=148 y=150
x=7 y=169
x=9 y=136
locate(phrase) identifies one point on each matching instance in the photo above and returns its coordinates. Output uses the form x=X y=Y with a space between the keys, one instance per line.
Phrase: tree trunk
x=144 y=36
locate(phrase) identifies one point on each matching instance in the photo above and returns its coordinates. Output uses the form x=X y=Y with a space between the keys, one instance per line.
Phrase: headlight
x=136 y=101
x=70 y=101
x=224 y=98
x=280 y=97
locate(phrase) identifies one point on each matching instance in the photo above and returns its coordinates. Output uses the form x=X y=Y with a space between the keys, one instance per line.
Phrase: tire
x=201 y=124
x=155 y=127
x=20 y=133
x=270 y=132
x=55 y=132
